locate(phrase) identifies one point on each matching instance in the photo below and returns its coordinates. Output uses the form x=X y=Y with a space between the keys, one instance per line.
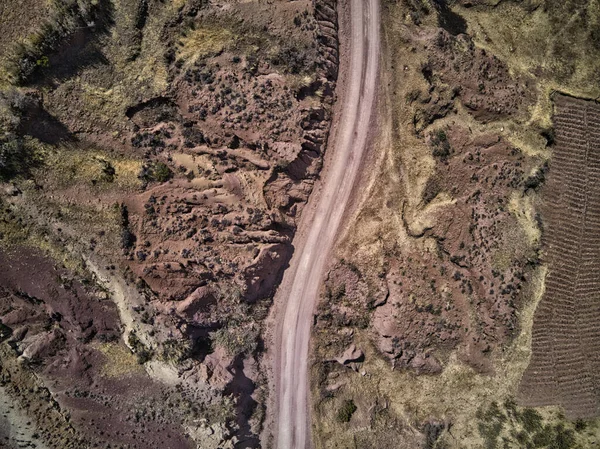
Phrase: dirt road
x=321 y=221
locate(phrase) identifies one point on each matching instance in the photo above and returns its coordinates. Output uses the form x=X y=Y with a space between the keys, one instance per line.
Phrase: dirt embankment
x=68 y=334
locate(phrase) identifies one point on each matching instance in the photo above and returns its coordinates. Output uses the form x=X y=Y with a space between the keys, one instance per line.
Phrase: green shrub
x=490 y=433
x=143 y=353
x=162 y=172
x=543 y=438
x=563 y=438
x=531 y=420
x=10 y=152
x=237 y=339
x=440 y=145
x=175 y=350
x=346 y=411
x=155 y=171
x=17 y=157
x=580 y=425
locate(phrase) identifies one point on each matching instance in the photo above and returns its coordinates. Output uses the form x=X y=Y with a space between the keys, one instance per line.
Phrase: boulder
x=43 y=345
x=218 y=368
x=200 y=299
x=426 y=364
x=351 y=355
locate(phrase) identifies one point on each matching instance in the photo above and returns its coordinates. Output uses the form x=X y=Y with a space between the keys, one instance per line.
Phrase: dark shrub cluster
x=440 y=145
x=67 y=16
x=155 y=171
x=346 y=411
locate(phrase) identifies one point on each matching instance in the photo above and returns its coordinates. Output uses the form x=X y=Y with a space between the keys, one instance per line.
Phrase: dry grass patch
x=204 y=41
x=66 y=167
x=558 y=45
x=119 y=361
x=15 y=232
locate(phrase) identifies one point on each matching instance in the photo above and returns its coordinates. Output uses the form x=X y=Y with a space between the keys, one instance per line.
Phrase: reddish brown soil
x=565 y=364
x=57 y=324
x=244 y=144
x=458 y=71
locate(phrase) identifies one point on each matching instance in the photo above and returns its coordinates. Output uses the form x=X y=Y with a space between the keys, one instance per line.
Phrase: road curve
x=320 y=224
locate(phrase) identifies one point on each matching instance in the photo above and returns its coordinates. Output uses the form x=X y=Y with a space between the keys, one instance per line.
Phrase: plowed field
x=565 y=364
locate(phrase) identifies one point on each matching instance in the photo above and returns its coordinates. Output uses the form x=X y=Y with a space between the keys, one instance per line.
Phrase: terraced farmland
x=565 y=364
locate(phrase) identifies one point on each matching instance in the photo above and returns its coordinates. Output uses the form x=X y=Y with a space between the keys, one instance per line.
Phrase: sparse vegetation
x=175 y=351
x=15 y=157
x=237 y=339
x=433 y=430
x=537 y=178
x=128 y=239
x=524 y=428
x=296 y=60
x=17 y=153
x=143 y=353
x=65 y=18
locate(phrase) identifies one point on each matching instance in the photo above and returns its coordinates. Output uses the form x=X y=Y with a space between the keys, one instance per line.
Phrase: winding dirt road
x=321 y=222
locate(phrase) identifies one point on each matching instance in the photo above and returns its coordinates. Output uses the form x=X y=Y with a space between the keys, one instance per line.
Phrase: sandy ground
x=321 y=222
x=16 y=429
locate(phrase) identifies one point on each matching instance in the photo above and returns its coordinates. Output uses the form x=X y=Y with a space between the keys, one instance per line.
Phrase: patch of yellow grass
x=119 y=361
x=66 y=167
x=204 y=41
x=16 y=234
x=557 y=56
x=523 y=208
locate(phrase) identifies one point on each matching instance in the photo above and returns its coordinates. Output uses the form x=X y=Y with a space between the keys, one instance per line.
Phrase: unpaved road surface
x=321 y=223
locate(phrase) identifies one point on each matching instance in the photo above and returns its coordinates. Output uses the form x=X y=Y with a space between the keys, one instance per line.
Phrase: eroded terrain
x=424 y=330
x=155 y=160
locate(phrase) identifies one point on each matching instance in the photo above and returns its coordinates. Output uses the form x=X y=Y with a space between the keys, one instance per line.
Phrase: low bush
x=440 y=145
x=142 y=353
x=531 y=420
x=237 y=339
x=155 y=172
x=346 y=411
x=17 y=157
